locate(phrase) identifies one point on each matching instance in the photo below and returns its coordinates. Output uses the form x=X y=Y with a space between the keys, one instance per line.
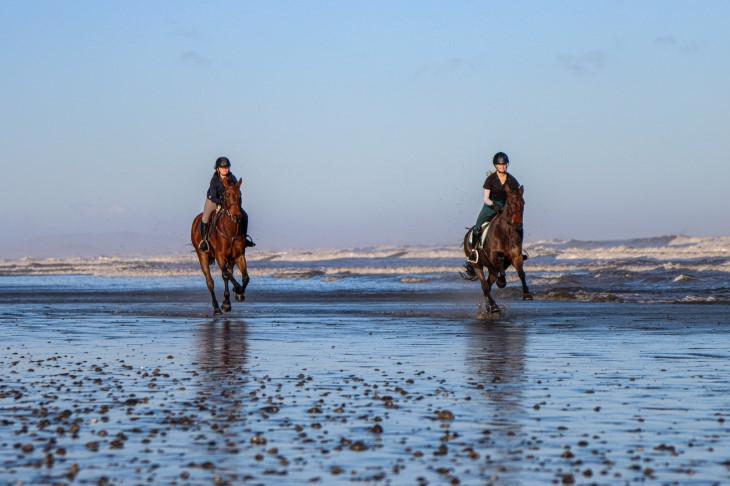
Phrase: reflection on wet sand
x=496 y=355
x=222 y=377
x=221 y=347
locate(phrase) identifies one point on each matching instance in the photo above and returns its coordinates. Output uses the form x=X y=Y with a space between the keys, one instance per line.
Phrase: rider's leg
x=208 y=209
x=485 y=215
x=244 y=228
x=521 y=232
x=476 y=239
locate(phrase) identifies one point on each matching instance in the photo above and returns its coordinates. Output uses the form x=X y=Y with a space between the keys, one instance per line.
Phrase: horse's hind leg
x=241 y=262
x=204 y=260
x=526 y=295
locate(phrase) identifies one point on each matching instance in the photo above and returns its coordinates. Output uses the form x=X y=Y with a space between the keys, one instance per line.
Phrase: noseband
x=514 y=215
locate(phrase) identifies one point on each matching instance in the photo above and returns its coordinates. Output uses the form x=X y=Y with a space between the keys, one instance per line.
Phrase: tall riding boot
x=476 y=239
x=244 y=228
x=521 y=232
x=203 y=246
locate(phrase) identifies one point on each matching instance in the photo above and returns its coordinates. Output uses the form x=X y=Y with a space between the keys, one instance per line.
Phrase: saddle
x=479 y=236
x=212 y=227
x=213 y=220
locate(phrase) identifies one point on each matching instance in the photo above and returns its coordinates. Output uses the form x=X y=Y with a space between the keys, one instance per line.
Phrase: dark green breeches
x=486 y=214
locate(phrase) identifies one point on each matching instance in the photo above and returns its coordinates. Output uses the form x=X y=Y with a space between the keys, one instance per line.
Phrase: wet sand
x=136 y=387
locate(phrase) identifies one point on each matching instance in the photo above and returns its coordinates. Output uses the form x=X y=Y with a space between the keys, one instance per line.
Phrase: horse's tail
x=469 y=273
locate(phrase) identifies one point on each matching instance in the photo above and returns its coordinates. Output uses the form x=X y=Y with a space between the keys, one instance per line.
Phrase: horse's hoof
x=226 y=307
x=240 y=297
x=494 y=309
x=501 y=282
x=217 y=312
x=527 y=296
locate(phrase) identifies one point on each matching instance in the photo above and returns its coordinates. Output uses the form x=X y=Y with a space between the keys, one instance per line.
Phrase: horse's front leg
x=487 y=281
x=223 y=265
x=236 y=286
x=203 y=258
x=526 y=295
x=241 y=262
x=499 y=261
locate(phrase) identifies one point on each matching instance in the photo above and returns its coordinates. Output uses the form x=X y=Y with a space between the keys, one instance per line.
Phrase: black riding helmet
x=222 y=162
x=500 y=157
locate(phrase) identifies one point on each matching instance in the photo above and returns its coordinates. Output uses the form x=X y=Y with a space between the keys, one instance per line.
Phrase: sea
x=665 y=269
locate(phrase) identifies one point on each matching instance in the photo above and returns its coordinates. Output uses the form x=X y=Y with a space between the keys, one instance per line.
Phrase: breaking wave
x=664 y=268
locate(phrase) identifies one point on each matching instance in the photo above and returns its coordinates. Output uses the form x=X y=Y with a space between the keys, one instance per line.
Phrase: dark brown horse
x=227 y=246
x=502 y=248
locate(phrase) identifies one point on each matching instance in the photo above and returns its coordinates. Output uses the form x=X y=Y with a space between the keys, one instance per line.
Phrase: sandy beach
x=120 y=386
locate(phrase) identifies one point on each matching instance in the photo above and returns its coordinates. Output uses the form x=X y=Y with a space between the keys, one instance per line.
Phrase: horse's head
x=232 y=198
x=514 y=207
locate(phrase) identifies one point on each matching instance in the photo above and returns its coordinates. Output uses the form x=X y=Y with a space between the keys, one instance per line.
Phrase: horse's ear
x=238 y=185
x=522 y=190
x=508 y=189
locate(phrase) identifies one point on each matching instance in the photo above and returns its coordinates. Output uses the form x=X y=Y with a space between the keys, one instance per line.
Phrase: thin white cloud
x=195 y=58
x=671 y=42
x=190 y=33
x=588 y=63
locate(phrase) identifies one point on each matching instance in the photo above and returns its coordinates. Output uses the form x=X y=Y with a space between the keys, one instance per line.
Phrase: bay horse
x=502 y=248
x=227 y=246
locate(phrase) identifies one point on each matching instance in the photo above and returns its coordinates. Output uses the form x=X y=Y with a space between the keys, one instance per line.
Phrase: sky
x=359 y=123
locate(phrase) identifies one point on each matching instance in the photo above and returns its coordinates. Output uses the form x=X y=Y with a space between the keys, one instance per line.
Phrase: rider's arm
x=487 y=201
x=214 y=191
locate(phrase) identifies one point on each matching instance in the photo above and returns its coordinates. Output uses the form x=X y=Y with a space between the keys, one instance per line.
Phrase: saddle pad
x=485 y=231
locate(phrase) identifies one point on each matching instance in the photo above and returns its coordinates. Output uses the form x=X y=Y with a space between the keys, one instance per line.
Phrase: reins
x=236 y=220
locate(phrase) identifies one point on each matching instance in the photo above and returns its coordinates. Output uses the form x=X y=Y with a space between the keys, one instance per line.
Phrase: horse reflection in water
x=496 y=356
x=222 y=377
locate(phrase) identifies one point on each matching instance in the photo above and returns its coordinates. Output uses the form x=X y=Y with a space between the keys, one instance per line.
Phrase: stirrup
x=473 y=257
x=249 y=241
x=203 y=245
x=525 y=256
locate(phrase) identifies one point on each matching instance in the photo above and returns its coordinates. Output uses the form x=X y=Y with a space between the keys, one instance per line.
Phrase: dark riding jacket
x=217 y=189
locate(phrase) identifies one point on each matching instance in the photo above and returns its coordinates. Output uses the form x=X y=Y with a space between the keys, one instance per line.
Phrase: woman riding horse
x=227 y=246
x=502 y=248
x=214 y=199
x=495 y=196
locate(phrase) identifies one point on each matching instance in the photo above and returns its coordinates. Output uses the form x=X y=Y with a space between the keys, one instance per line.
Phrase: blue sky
x=361 y=123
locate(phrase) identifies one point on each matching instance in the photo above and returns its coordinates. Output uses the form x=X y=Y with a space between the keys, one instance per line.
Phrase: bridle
x=511 y=215
x=236 y=220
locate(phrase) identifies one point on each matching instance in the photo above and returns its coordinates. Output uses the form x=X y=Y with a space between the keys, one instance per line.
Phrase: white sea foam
x=681 y=255
x=667 y=248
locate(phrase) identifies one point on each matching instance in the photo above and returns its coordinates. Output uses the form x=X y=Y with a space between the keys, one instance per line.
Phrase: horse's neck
x=226 y=222
x=503 y=230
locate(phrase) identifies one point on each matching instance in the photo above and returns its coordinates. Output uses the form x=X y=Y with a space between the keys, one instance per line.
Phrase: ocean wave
x=414 y=280
x=680 y=256
x=369 y=253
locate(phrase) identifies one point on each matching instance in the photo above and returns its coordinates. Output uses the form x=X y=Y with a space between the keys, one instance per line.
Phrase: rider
x=215 y=199
x=495 y=196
